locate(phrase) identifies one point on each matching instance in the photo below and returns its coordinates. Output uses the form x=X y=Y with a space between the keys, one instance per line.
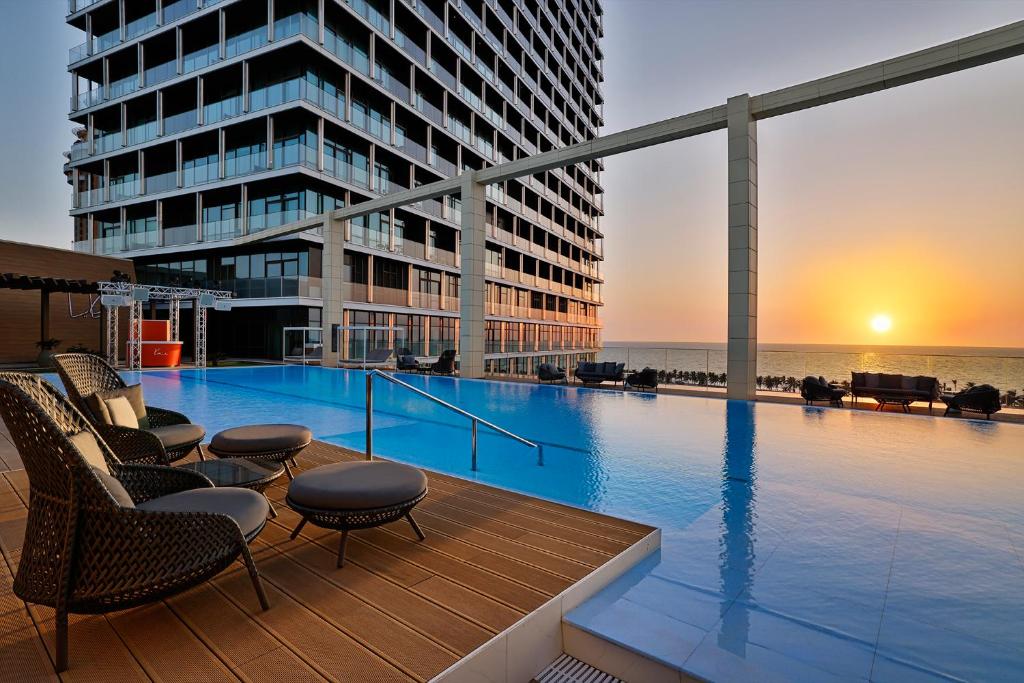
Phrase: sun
x=881 y=323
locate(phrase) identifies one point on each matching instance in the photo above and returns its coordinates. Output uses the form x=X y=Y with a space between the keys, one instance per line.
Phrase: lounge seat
x=248 y=508
x=549 y=372
x=356 y=495
x=445 y=364
x=103 y=535
x=818 y=389
x=645 y=379
x=983 y=398
x=274 y=442
x=90 y=382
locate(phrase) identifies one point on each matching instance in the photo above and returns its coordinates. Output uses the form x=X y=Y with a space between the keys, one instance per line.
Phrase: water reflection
x=736 y=545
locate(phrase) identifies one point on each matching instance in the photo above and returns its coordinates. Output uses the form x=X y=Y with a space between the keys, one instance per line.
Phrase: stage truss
x=116 y=295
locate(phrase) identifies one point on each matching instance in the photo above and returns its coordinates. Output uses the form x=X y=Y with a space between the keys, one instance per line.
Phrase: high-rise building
x=202 y=121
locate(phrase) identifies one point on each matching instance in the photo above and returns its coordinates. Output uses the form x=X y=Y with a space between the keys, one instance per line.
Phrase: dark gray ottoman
x=356 y=495
x=277 y=443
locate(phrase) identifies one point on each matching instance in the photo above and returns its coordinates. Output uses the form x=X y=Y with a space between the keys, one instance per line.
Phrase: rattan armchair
x=84 y=553
x=84 y=374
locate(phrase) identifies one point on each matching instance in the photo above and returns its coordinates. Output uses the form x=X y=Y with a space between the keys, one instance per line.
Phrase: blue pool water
x=798 y=543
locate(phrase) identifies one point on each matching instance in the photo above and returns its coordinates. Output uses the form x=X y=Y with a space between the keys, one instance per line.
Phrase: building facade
x=201 y=121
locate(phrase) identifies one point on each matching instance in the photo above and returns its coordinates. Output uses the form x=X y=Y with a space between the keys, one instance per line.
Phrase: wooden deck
x=400 y=610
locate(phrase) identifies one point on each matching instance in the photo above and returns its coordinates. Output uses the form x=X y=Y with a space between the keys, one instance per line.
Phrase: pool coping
x=525 y=648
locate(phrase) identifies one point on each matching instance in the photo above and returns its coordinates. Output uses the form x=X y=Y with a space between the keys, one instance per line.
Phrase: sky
x=904 y=203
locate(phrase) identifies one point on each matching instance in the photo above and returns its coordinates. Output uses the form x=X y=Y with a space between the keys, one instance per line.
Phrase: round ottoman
x=277 y=443
x=356 y=495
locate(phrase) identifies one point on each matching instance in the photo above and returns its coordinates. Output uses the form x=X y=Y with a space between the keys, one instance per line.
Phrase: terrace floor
x=400 y=610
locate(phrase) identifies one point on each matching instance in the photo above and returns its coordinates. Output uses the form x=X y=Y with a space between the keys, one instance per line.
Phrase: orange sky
x=907 y=202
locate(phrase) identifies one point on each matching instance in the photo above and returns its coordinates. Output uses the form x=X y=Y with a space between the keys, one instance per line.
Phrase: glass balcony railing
x=161 y=72
x=372 y=15
x=346 y=172
x=124 y=86
x=197 y=174
x=245 y=42
x=162 y=182
x=295 y=155
x=436 y=22
x=78 y=53
x=410 y=47
x=176 y=123
x=296 y=24
x=200 y=58
x=107 y=142
x=88 y=99
x=181 y=234
x=258 y=222
x=355 y=56
x=90 y=197
x=124 y=190
x=106 y=40
x=224 y=109
x=137 y=27
x=273 y=287
x=143 y=132
x=179 y=8
x=442 y=73
x=142 y=240
x=244 y=164
x=224 y=229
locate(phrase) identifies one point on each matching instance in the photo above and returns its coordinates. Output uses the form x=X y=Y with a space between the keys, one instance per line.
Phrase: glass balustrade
x=162 y=182
x=244 y=164
x=224 y=229
x=182 y=121
x=161 y=72
x=106 y=40
x=296 y=24
x=124 y=190
x=179 y=8
x=142 y=132
x=142 y=240
x=200 y=58
x=224 y=109
x=245 y=42
x=199 y=173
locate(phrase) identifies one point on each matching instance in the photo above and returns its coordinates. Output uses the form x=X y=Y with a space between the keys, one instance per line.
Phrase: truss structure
x=122 y=293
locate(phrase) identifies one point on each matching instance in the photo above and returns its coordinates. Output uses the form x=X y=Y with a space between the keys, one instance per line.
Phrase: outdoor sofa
x=902 y=389
x=445 y=364
x=983 y=398
x=819 y=389
x=596 y=373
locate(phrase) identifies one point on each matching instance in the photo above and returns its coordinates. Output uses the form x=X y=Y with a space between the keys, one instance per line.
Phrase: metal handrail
x=476 y=420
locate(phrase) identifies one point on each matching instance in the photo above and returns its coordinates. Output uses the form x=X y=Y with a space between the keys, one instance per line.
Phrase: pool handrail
x=476 y=420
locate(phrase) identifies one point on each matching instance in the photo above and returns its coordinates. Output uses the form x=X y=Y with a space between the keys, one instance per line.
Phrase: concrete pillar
x=472 y=289
x=332 y=288
x=742 y=346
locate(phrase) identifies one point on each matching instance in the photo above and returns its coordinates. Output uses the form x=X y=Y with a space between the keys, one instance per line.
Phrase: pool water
x=798 y=543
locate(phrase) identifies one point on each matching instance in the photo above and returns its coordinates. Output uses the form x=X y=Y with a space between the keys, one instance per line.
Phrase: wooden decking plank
x=276 y=666
x=165 y=647
x=23 y=655
x=227 y=631
x=317 y=642
x=500 y=529
x=501 y=589
x=95 y=651
x=590 y=527
x=513 y=517
x=407 y=650
x=472 y=605
x=430 y=620
x=545 y=505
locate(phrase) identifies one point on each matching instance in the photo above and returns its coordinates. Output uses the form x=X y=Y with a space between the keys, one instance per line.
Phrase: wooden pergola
x=46 y=286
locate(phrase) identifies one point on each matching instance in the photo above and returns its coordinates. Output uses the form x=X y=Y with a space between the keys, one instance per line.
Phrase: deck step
x=567 y=669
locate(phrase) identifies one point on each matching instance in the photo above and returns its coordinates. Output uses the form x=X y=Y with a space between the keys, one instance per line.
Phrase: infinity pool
x=798 y=543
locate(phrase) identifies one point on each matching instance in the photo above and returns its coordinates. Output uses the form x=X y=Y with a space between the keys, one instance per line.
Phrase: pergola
x=737 y=115
x=114 y=295
x=46 y=286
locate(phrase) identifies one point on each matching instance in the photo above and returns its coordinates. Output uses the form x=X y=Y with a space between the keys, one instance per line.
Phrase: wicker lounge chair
x=445 y=365
x=645 y=379
x=103 y=535
x=983 y=398
x=163 y=435
x=818 y=389
x=549 y=372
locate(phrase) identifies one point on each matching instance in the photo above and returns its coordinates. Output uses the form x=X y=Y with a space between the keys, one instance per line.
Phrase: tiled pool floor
x=818 y=586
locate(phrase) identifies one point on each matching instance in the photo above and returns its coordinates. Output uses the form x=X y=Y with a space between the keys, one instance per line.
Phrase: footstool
x=277 y=443
x=356 y=495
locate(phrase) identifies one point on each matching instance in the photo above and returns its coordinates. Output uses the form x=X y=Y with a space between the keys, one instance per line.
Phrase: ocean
x=955 y=367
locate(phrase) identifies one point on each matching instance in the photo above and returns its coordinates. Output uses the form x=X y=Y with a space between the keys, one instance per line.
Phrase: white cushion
x=121 y=412
x=86 y=444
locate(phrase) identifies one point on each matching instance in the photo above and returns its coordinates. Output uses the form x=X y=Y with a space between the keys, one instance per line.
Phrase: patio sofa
x=818 y=389
x=886 y=388
x=596 y=373
x=549 y=372
x=645 y=379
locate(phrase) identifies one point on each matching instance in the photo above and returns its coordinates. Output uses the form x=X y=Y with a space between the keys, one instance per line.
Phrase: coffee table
x=243 y=473
x=883 y=401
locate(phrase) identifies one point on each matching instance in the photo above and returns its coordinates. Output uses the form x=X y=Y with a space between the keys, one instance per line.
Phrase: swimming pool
x=798 y=543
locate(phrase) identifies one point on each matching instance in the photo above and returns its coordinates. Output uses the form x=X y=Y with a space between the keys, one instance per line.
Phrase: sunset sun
x=881 y=323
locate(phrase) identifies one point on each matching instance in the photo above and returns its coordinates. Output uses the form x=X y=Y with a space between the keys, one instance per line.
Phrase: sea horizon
x=895 y=349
